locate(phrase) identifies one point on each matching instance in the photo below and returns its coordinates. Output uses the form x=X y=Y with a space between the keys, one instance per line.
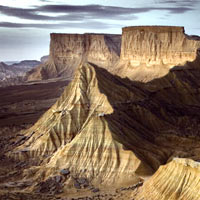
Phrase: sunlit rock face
x=157 y=45
x=97 y=48
x=149 y=52
x=177 y=180
x=68 y=51
x=142 y=53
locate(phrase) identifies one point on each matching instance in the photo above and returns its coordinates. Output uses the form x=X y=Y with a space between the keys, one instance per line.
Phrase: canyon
x=125 y=127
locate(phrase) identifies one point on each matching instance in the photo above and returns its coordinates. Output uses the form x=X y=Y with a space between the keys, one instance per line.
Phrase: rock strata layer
x=142 y=52
x=177 y=180
x=68 y=51
x=157 y=45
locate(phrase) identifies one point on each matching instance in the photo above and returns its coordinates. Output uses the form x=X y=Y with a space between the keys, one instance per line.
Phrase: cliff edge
x=149 y=52
x=142 y=52
x=68 y=51
x=157 y=45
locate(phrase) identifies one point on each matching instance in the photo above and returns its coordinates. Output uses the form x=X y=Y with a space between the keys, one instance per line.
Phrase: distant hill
x=10 y=62
x=14 y=74
x=26 y=64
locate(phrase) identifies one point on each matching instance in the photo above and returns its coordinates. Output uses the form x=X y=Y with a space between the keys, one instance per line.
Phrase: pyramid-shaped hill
x=113 y=131
x=82 y=132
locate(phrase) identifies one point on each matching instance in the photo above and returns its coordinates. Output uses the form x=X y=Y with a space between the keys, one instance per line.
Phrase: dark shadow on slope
x=168 y=106
x=113 y=43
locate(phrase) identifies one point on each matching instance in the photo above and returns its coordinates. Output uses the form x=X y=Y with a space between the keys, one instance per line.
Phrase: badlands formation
x=126 y=127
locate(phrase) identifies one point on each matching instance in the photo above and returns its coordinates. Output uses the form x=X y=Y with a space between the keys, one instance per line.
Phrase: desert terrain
x=105 y=117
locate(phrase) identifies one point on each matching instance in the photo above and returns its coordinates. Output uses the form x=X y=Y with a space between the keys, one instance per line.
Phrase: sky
x=25 y=25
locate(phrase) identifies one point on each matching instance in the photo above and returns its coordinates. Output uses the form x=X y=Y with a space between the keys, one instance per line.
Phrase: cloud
x=70 y=13
x=84 y=12
x=79 y=15
x=187 y=3
x=81 y=25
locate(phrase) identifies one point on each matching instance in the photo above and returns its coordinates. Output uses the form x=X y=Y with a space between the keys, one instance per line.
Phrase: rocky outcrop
x=148 y=52
x=77 y=128
x=157 y=45
x=68 y=51
x=177 y=180
x=44 y=59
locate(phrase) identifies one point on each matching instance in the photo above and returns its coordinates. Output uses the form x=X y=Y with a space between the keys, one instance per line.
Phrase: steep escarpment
x=148 y=52
x=157 y=46
x=67 y=51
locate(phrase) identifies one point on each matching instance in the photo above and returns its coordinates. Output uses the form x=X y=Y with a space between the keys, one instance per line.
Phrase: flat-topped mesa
x=101 y=49
x=157 y=45
x=68 y=51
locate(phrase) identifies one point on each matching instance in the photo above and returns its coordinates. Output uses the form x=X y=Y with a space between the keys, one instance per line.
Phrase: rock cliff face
x=68 y=51
x=157 y=45
x=148 y=52
x=77 y=129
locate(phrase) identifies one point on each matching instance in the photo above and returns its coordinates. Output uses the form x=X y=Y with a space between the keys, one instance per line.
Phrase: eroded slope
x=179 y=179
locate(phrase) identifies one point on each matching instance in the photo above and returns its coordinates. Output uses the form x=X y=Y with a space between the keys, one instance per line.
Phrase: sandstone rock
x=68 y=51
x=182 y=182
x=157 y=45
x=148 y=52
x=58 y=179
x=44 y=59
x=77 y=185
